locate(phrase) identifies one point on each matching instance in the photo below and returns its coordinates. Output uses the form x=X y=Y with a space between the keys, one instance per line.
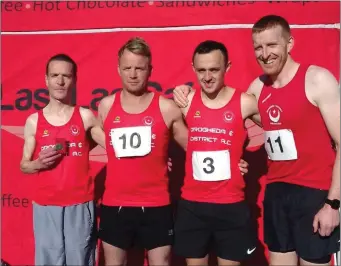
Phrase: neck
x=214 y=95
x=286 y=75
x=134 y=96
x=57 y=106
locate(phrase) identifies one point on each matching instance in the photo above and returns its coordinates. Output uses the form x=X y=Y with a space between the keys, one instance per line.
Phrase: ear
x=228 y=66
x=46 y=81
x=290 y=44
x=150 y=70
x=118 y=70
x=193 y=67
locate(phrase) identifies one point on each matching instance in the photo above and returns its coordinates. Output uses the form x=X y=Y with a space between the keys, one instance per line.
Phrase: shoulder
x=85 y=112
x=248 y=98
x=317 y=75
x=32 y=120
x=167 y=105
x=320 y=83
x=256 y=85
x=107 y=101
x=31 y=124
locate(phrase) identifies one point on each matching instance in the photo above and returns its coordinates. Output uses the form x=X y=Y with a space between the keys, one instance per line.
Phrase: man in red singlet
x=56 y=149
x=299 y=107
x=138 y=125
x=212 y=214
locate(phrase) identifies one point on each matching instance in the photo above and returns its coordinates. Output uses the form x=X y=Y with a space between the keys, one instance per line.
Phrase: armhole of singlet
x=39 y=119
x=196 y=101
x=237 y=98
x=77 y=115
x=116 y=101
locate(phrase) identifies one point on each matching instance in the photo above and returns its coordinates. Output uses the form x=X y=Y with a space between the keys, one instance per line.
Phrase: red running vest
x=68 y=183
x=296 y=138
x=137 y=180
x=216 y=136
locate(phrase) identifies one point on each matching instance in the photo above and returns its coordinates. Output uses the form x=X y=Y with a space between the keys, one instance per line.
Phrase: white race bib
x=211 y=165
x=280 y=145
x=131 y=141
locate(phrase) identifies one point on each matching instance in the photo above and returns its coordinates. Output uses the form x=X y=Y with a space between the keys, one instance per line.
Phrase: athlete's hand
x=180 y=94
x=47 y=157
x=326 y=220
x=169 y=164
x=243 y=167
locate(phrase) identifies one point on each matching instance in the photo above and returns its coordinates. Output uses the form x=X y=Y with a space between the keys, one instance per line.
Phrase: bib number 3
x=211 y=165
x=280 y=145
x=131 y=141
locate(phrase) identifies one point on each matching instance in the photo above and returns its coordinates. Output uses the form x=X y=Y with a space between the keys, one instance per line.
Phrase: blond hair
x=137 y=46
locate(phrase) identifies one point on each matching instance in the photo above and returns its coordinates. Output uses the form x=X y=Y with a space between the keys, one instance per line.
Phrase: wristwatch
x=335 y=204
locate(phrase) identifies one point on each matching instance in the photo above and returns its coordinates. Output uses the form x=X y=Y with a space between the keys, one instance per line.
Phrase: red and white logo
x=228 y=117
x=74 y=130
x=148 y=121
x=274 y=112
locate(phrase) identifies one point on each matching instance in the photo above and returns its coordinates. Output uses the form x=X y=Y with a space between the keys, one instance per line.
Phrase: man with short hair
x=299 y=107
x=138 y=125
x=56 y=149
x=213 y=213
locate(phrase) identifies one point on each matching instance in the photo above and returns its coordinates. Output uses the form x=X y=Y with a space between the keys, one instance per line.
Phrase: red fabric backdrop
x=24 y=57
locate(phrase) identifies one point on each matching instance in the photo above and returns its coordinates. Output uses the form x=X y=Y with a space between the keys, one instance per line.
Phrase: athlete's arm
x=91 y=123
x=174 y=120
x=255 y=89
x=322 y=90
x=46 y=157
x=104 y=108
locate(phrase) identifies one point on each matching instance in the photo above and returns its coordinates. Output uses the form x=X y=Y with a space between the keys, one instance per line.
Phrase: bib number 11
x=280 y=145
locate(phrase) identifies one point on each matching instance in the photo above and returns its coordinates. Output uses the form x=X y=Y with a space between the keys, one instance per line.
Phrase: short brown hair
x=137 y=46
x=271 y=21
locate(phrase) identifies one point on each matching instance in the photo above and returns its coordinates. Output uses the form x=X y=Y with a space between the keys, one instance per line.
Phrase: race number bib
x=131 y=141
x=280 y=145
x=211 y=165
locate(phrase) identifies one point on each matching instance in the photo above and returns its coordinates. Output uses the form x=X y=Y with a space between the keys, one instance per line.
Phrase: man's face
x=272 y=47
x=210 y=69
x=134 y=71
x=60 y=79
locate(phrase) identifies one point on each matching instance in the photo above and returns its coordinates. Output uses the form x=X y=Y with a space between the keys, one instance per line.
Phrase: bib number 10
x=134 y=140
x=131 y=141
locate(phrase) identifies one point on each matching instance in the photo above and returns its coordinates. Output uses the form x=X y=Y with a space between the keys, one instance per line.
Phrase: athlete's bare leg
x=223 y=262
x=306 y=263
x=196 y=262
x=288 y=258
x=114 y=255
x=159 y=256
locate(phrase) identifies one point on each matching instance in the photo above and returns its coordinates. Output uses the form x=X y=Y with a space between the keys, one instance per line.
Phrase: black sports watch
x=335 y=204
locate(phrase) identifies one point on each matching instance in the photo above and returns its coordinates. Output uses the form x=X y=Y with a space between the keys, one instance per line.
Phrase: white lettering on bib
x=280 y=145
x=211 y=165
x=131 y=141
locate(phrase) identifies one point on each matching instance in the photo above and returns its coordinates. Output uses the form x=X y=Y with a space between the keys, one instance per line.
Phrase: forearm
x=182 y=140
x=334 y=191
x=29 y=167
x=257 y=120
x=98 y=136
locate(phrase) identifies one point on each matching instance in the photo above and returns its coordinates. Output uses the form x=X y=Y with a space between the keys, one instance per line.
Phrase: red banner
x=23 y=67
x=56 y=15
